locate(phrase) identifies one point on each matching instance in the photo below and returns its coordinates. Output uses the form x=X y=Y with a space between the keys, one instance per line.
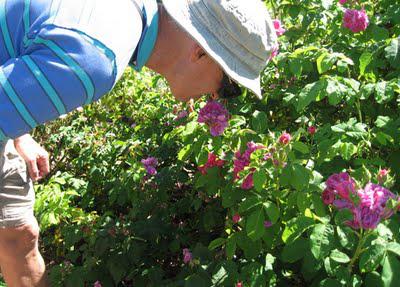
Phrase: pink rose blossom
x=243 y=160
x=267 y=156
x=274 y=52
x=150 y=165
x=97 y=284
x=239 y=284
x=328 y=196
x=355 y=20
x=278 y=27
x=248 y=182
x=382 y=175
x=187 y=255
x=181 y=115
x=267 y=224
x=285 y=138
x=312 y=130
x=342 y=1
x=236 y=218
x=342 y=183
x=214 y=115
x=211 y=162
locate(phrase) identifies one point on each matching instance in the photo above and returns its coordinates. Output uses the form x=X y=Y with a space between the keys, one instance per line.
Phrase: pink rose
x=328 y=196
x=267 y=224
x=285 y=138
x=236 y=218
x=187 y=255
x=248 y=182
x=214 y=115
x=342 y=1
x=278 y=27
x=211 y=162
x=312 y=130
x=97 y=284
x=355 y=20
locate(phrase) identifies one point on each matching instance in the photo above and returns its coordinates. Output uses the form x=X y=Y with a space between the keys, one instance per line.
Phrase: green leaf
x=382 y=121
x=296 y=176
x=259 y=122
x=384 y=92
x=196 y=280
x=295 y=251
x=365 y=60
x=310 y=93
x=366 y=91
x=390 y=277
x=301 y=147
x=230 y=247
x=322 y=240
x=216 y=243
x=328 y=282
x=371 y=258
x=295 y=228
x=379 y=33
x=373 y=279
x=393 y=247
x=339 y=256
x=259 y=178
x=255 y=224
x=269 y=262
x=393 y=53
x=250 y=203
x=296 y=67
x=347 y=150
x=326 y=4
x=185 y=152
x=272 y=211
x=220 y=276
x=326 y=61
x=237 y=121
x=347 y=238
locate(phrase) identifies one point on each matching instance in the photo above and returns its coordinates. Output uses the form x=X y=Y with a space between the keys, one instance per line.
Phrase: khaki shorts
x=17 y=196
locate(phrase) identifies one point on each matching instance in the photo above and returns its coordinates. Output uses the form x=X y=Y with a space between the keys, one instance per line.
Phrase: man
x=57 y=55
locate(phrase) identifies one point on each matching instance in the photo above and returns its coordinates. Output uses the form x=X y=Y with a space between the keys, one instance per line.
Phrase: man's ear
x=197 y=53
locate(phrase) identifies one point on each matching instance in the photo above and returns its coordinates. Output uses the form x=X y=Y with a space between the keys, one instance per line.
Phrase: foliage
x=105 y=219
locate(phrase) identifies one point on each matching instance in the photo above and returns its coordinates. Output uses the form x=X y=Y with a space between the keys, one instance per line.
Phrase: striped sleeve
x=57 y=72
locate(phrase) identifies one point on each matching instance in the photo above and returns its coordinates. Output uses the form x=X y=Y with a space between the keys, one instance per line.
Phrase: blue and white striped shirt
x=57 y=55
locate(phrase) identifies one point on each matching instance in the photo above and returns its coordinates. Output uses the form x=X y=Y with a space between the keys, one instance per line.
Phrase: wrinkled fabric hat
x=237 y=34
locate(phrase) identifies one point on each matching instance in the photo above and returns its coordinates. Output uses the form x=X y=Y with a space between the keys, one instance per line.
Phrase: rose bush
x=299 y=189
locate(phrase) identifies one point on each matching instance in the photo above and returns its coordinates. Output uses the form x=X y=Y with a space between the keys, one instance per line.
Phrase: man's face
x=195 y=77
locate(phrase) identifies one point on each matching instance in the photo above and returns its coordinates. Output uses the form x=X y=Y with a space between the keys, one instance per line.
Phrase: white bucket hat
x=237 y=34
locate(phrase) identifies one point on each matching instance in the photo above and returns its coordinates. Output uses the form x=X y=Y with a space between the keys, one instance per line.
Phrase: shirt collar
x=148 y=39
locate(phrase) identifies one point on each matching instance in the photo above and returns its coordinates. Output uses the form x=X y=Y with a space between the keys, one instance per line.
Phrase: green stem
x=358 y=105
x=358 y=251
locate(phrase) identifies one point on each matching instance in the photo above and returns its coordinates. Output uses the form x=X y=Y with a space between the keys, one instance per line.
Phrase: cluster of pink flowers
x=369 y=208
x=214 y=115
x=280 y=30
x=355 y=20
x=187 y=255
x=150 y=165
x=211 y=162
x=278 y=27
x=243 y=160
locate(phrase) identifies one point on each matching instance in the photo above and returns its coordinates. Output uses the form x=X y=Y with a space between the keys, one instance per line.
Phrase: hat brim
x=215 y=49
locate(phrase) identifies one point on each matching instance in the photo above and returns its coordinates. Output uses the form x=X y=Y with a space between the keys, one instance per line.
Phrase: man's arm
x=59 y=71
x=36 y=157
